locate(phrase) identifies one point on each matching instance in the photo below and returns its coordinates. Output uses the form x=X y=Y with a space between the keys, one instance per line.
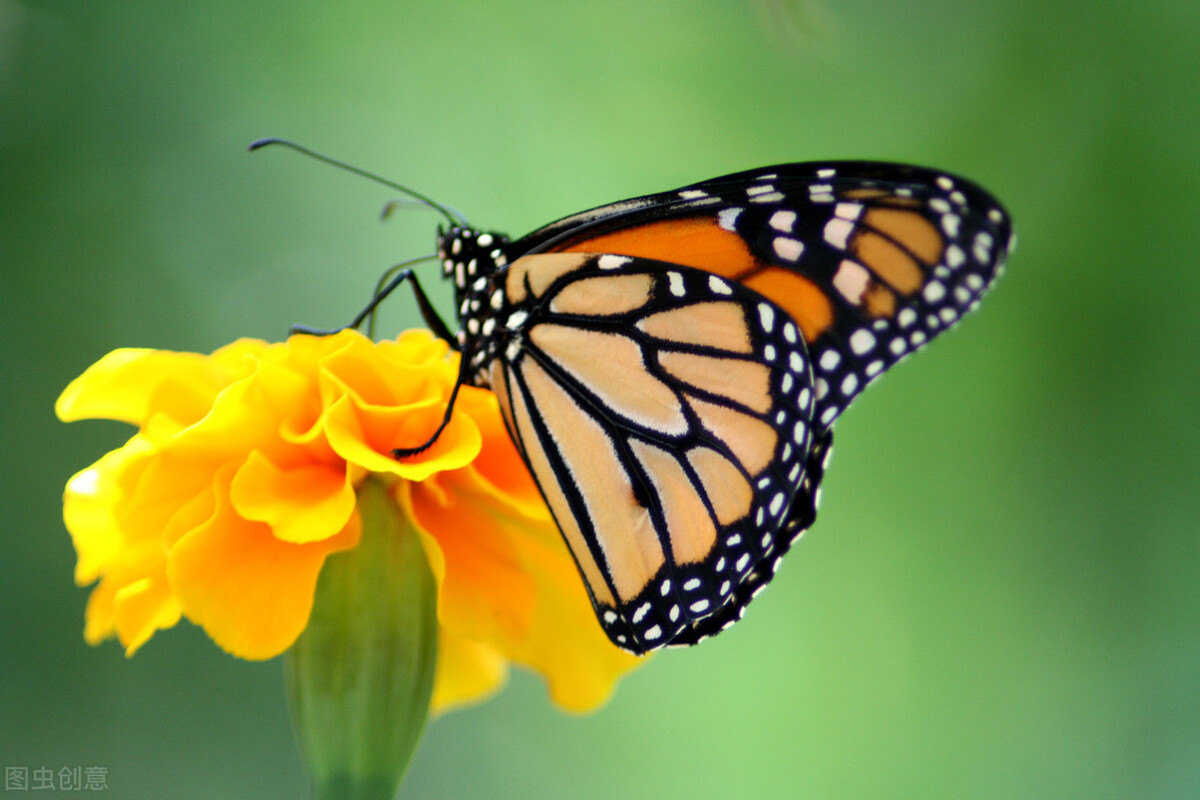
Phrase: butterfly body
x=670 y=366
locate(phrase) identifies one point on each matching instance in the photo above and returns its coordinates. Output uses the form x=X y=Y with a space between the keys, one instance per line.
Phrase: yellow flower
x=242 y=478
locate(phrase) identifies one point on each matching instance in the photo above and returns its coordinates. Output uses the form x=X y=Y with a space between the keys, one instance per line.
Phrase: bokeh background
x=1001 y=597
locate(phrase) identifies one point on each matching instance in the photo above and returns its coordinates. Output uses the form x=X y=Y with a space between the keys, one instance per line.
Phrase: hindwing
x=665 y=413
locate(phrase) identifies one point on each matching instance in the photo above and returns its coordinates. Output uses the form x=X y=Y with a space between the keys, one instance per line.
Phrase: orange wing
x=665 y=413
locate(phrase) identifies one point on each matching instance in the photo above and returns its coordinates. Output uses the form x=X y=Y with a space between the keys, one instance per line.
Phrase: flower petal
x=141 y=608
x=89 y=504
x=468 y=672
x=566 y=644
x=130 y=384
x=485 y=593
x=142 y=562
x=303 y=504
x=498 y=462
x=366 y=437
x=510 y=583
x=251 y=592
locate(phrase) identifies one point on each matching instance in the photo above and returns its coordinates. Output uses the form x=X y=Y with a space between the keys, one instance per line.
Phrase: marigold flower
x=242 y=478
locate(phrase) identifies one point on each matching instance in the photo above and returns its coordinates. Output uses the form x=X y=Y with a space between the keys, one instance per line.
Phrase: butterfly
x=670 y=366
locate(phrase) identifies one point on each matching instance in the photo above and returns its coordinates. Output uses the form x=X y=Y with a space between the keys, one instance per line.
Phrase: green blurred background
x=1001 y=598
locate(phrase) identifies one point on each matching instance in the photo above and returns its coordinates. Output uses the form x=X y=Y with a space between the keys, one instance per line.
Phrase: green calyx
x=361 y=675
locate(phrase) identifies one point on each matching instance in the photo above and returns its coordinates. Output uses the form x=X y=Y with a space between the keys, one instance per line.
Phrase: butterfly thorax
x=476 y=261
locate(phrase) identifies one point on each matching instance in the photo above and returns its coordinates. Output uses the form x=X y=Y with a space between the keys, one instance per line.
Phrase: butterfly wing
x=800 y=515
x=665 y=414
x=849 y=266
x=870 y=260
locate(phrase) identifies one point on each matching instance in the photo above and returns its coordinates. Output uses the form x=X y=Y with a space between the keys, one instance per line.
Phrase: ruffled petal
x=366 y=437
x=130 y=384
x=140 y=563
x=141 y=608
x=251 y=592
x=302 y=504
x=89 y=511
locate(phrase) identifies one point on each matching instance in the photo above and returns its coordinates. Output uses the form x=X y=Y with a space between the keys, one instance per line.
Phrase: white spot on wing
x=675 y=280
x=718 y=285
x=766 y=316
x=727 y=218
x=950 y=224
x=837 y=232
x=783 y=220
x=850 y=211
x=788 y=249
x=612 y=262
x=861 y=341
x=851 y=280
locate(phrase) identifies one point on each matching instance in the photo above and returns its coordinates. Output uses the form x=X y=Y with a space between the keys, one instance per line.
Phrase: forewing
x=870 y=260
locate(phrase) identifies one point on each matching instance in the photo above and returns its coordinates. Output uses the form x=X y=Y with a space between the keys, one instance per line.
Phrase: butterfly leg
x=463 y=371
x=428 y=313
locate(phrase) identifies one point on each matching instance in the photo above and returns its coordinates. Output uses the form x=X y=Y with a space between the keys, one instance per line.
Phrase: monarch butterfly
x=670 y=366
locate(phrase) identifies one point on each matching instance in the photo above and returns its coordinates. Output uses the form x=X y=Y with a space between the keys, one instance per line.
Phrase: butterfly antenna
x=392 y=205
x=445 y=212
